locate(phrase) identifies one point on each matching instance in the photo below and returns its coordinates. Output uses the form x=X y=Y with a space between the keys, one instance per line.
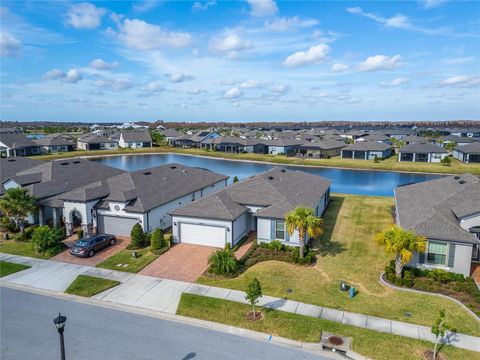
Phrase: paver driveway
x=65 y=256
x=183 y=262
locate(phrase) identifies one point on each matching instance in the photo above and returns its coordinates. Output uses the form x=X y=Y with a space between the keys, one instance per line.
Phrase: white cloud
x=99 y=64
x=179 y=77
x=462 y=81
x=197 y=91
x=116 y=85
x=154 y=86
x=85 y=16
x=145 y=5
x=380 y=62
x=71 y=76
x=263 y=8
x=314 y=55
x=338 y=68
x=281 y=89
x=230 y=45
x=395 y=82
x=203 y=5
x=233 y=93
x=252 y=84
x=140 y=35
x=430 y=4
x=289 y=23
x=458 y=60
x=9 y=44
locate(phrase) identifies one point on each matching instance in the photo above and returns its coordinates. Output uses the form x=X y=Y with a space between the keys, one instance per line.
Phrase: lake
x=364 y=182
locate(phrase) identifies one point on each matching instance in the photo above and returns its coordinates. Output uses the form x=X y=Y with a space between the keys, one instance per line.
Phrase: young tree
x=235 y=179
x=451 y=145
x=446 y=161
x=305 y=222
x=157 y=241
x=253 y=293
x=17 y=203
x=46 y=240
x=223 y=262
x=439 y=329
x=138 y=236
x=400 y=243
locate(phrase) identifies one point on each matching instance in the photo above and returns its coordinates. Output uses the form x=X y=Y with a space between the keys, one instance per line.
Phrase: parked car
x=89 y=245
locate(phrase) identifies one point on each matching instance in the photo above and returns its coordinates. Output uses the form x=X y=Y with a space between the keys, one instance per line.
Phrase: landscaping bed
x=8 y=268
x=372 y=344
x=88 y=286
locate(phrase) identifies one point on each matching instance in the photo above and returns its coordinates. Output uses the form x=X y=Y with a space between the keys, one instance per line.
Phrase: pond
x=363 y=182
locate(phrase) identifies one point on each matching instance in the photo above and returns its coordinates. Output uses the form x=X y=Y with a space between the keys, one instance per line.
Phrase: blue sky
x=256 y=60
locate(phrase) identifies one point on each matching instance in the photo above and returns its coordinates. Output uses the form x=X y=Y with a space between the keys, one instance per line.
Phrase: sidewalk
x=164 y=295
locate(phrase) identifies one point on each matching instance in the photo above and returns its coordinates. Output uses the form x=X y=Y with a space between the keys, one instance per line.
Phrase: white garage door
x=115 y=225
x=202 y=235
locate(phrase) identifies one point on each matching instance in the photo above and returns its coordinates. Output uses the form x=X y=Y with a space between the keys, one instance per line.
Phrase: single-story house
x=283 y=146
x=133 y=139
x=421 y=152
x=12 y=165
x=170 y=134
x=460 y=141
x=194 y=140
x=321 y=149
x=473 y=133
x=259 y=203
x=447 y=212
x=468 y=153
x=367 y=150
x=56 y=143
x=96 y=142
x=410 y=139
x=400 y=133
x=234 y=145
x=17 y=144
x=375 y=137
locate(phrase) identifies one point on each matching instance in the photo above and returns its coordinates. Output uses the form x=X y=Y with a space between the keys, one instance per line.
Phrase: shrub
x=223 y=262
x=80 y=233
x=47 y=241
x=276 y=245
x=227 y=247
x=157 y=241
x=308 y=256
x=376 y=159
x=7 y=224
x=407 y=279
x=235 y=179
x=138 y=237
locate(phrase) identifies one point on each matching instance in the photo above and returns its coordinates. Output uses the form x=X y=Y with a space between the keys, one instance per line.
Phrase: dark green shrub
x=157 y=241
x=227 y=247
x=276 y=245
x=137 y=236
x=235 y=179
x=47 y=241
x=407 y=279
x=7 y=224
x=222 y=262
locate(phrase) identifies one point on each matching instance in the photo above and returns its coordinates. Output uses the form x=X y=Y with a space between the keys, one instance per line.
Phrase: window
x=437 y=253
x=279 y=230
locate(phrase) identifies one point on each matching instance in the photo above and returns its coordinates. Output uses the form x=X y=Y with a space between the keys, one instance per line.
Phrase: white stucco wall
x=470 y=222
x=264 y=229
x=240 y=228
x=177 y=220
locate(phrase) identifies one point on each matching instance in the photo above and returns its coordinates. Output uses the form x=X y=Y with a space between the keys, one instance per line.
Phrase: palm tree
x=305 y=222
x=17 y=203
x=400 y=243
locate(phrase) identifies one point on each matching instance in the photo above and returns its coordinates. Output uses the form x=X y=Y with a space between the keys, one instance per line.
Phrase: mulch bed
x=254 y=317
x=428 y=355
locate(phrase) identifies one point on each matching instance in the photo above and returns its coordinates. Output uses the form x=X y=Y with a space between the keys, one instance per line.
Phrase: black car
x=89 y=245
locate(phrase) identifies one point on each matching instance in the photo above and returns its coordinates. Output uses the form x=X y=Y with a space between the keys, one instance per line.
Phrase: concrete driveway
x=66 y=257
x=183 y=262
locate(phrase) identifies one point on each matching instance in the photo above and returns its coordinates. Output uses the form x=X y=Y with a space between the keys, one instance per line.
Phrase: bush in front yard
x=47 y=241
x=222 y=262
x=138 y=237
x=157 y=241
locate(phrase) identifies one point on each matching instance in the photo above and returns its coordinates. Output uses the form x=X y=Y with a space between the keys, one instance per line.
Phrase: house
x=134 y=139
x=115 y=204
x=194 y=140
x=400 y=133
x=458 y=140
x=468 y=153
x=447 y=212
x=12 y=165
x=170 y=134
x=421 y=152
x=410 y=139
x=375 y=137
x=96 y=142
x=235 y=145
x=17 y=144
x=321 y=149
x=259 y=203
x=287 y=146
x=56 y=143
x=472 y=133
x=367 y=150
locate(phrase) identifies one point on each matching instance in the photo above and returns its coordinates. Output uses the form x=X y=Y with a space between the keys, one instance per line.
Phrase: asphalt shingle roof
x=422 y=148
x=368 y=146
x=16 y=140
x=469 y=149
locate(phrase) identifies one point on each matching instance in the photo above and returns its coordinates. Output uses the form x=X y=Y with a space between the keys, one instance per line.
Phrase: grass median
x=88 y=286
x=8 y=268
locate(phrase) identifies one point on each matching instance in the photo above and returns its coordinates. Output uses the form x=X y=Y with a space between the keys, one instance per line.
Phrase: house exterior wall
x=468 y=222
x=177 y=220
x=240 y=228
x=264 y=233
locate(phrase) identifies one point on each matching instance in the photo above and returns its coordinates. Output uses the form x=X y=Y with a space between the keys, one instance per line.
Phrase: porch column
x=366 y=153
x=429 y=158
x=414 y=157
x=41 y=221
x=56 y=221
x=353 y=154
x=86 y=229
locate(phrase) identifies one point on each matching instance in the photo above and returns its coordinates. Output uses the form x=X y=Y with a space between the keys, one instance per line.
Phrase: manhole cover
x=408 y=314
x=335 y=340
x=289 y=290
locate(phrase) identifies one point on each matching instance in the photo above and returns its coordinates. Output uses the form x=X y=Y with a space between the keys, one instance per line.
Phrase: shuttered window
x=279 y=230
x=437 y=253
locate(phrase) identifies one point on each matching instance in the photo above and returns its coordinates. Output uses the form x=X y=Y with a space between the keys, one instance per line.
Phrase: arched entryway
x=75 y=220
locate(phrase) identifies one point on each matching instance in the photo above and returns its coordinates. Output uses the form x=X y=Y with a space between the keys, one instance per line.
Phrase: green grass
x=372 y=344
x=389 y=164
x=347 y=251
x=125 y=257
x=21 y=248
x=7 y=268
x=88 y=286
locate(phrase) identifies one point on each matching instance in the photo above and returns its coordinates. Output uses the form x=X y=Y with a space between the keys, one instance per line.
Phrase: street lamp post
x=59 y=322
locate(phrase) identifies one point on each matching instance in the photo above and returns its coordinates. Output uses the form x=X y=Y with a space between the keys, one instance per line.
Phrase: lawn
x=88 y=286
x=372 y=344
x=7 y=268
x=124 y=261
x=21 y=248
x=389 y=164
x=348 y=252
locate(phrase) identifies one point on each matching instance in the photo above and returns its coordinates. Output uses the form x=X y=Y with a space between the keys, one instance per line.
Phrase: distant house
x=12 y=165
x=367 y=150
x=410 y=139
x=447 y=212
x=468 y=153
x=283 y=146
x=96 y=142
x=460 y=141
x=472 y=133
x=17 y=144
x=400 y=133
x=420 y=152
x=56 y=143
x=194 y=140
x=234 y=145
x=321 y=149
x=170 y=135
x=134 y=139
x=259 y=203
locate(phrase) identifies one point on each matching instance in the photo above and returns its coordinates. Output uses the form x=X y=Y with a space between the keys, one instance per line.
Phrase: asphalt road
x=27 y=332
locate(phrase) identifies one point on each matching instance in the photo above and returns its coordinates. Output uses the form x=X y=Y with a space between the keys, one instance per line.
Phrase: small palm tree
x=17 y=203
x=305 y=222
x=400 y=243
x=222 y=262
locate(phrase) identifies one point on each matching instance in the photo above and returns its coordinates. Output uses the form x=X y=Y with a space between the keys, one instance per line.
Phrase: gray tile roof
x=368 y=146
x=54 y=140
x=469 y=149
x=95 y=139
x=433 y=208
x=324 y=144
x=422 y=148
x=136 y=135
x=277 y=190
x=16 y=140
x=11 y=166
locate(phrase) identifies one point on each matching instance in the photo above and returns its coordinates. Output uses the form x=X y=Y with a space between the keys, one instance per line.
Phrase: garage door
x=115 y=225
x=202 y=235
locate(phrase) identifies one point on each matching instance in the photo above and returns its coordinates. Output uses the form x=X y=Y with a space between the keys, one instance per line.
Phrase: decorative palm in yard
x=305 y=222
x=17 y=203
x=223 y=262
x=400 y=243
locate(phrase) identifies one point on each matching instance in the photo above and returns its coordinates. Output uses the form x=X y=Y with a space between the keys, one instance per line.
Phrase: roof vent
x=283 y=170
x=77 y=162
x=457 y=177
x=147 y=173
x=173 y=167
x=64 y=163
x=461 y=182
x=270 y=178
x=11 y=160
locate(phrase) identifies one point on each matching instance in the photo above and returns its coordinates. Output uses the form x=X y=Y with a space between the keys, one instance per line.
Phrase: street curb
x=312 y=348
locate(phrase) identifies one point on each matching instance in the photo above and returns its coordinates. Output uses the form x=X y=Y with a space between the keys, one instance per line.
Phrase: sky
x=234 y=61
